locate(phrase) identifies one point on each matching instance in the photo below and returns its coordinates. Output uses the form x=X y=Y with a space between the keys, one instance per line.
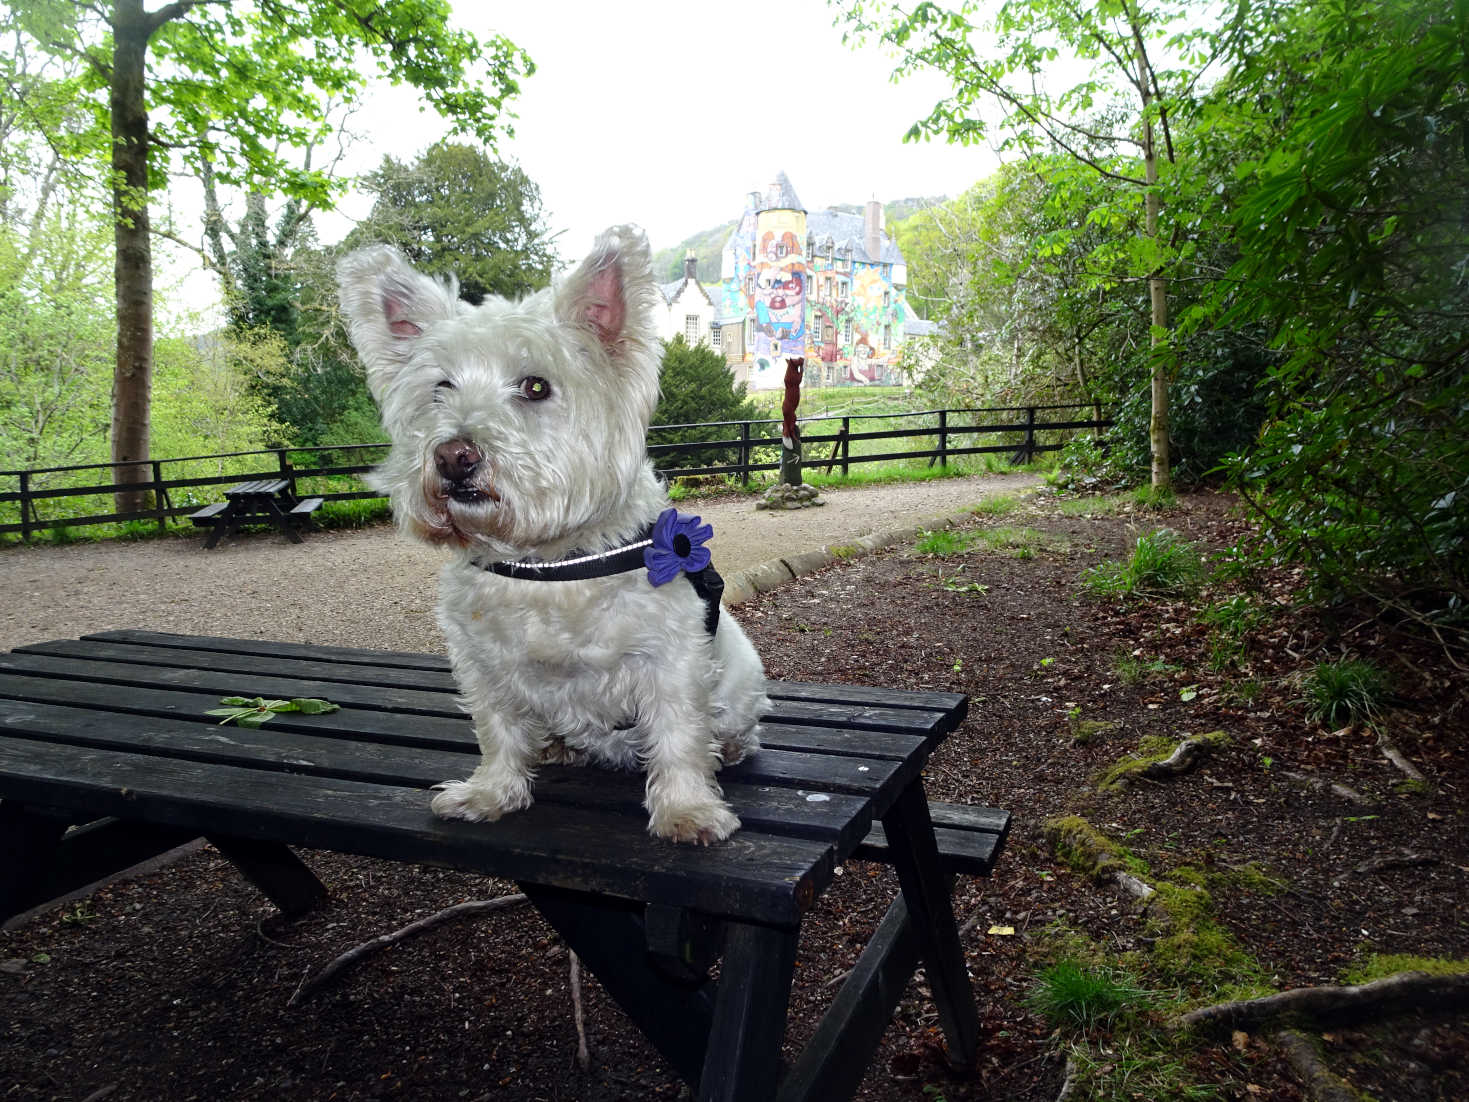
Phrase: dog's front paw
x=702 y=823
x=478 y=802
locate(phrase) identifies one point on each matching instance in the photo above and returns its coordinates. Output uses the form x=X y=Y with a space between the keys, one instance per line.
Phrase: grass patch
x=1070 y=995
x=1231 y=621
x=1162 y=564
x=1134 y=670
x=1345 y=692
x=1155 y=499
x=1093 y=506
x=942 y=541
x=998 y=506
x=1023 y=543
x=1376 y=966
x=1132 y=1068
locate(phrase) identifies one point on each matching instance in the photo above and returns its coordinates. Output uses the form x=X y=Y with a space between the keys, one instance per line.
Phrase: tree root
x=1072 y=1083
x=1185 y=757
x=460 y=910
x=1317 y=784
x=1393 y=754
x=578 y=1014
x=1402 y=860
x=1403 y=991
x=1319 y=1081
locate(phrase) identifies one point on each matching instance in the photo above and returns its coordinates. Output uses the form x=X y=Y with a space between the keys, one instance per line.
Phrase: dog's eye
x=534 y=388
x=441 y=386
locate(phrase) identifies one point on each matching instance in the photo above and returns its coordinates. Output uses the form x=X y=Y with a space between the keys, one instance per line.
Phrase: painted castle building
x=826 y=285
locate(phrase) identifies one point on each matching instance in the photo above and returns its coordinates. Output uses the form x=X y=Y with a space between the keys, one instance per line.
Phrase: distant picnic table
x=107 y=757
x=262 y=501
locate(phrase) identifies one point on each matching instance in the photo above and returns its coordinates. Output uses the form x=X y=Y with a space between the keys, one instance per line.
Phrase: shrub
x=1344 y=692
x=696 y=389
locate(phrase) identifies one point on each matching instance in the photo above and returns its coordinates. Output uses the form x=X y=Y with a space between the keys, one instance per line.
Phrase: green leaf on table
x=254 y=711
x=312 y=706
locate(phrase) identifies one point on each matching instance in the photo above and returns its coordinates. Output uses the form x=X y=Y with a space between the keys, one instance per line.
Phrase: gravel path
x=373 y=587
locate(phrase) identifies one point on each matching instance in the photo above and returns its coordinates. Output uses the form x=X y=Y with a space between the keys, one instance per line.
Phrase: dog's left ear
x=611 y=291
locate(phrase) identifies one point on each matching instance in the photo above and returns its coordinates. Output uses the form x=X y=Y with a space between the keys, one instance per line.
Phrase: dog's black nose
x=457 y=460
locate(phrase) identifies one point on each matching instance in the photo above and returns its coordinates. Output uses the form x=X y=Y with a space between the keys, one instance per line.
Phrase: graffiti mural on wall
x=780 y=276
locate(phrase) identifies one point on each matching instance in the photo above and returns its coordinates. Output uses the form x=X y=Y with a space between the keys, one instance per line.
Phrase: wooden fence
x=55 y=497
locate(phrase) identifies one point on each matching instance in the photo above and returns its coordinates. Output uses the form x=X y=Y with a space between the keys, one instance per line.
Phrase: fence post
x=1030 y=434
x=944 y=438
x=25 y=505
x=846 y=444
x=745 y=452
x=286 y=471
x=161 y=502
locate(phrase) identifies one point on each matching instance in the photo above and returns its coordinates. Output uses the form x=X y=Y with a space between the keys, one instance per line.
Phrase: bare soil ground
x=175 y=985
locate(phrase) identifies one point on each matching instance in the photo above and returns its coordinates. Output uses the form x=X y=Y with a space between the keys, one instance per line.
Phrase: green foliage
x=1231 y=620
x=1345 y=691
x=1071 y=995
x=241 y=86
x=697 y=388
x=457 y=211
x=1162 y=564
x=1351 y=251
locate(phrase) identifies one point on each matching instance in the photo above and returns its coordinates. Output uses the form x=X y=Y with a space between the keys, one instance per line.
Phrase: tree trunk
x=133 y=372
x=1162 y=477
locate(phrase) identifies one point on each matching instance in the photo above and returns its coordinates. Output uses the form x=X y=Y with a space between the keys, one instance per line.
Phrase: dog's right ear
x=389 y=306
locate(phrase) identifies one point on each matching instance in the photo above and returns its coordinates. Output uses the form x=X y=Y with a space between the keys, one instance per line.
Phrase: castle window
x=716 y=336
x=691 y=328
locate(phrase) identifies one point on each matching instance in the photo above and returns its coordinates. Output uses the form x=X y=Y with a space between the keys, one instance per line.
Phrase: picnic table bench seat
x=206 y=516
x=303 y=509
x=107 y=757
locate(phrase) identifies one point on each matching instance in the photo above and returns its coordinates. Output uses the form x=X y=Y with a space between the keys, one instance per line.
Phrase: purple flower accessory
x=677 y=547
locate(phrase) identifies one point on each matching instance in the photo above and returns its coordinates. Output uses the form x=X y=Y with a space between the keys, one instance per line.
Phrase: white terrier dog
x=519 y=442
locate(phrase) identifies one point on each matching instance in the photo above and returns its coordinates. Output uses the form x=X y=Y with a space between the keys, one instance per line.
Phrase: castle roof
x=835 y=230
x=781 y=195
x=671 y=291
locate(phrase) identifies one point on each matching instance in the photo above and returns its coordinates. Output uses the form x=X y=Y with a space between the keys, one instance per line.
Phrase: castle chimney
x=691 y=265
x=872 y=230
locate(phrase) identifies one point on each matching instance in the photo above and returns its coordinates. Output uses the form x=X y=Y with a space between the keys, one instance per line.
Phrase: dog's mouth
x=465 y=494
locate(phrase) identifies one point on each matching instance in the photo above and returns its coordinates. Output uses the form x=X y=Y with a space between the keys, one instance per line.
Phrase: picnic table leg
x=926 y=891
x=275 y=870
x=279 y=518
x=611 y=940
x=743 y=1061
x=224 y=525
x=28 y=840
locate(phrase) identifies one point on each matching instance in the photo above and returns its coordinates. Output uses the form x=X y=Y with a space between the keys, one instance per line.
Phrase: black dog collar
x=580 y=566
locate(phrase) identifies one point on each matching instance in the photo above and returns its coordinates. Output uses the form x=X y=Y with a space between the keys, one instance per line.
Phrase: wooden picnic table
x=107 y=758
x=258 y=501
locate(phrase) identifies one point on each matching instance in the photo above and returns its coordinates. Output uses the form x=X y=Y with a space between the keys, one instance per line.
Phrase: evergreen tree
x=697 y=389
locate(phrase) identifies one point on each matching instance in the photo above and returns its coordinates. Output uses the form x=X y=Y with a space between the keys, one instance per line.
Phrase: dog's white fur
x=611 y=670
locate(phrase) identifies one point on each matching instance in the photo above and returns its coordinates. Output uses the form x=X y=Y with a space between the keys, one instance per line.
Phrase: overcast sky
x=667 y=112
